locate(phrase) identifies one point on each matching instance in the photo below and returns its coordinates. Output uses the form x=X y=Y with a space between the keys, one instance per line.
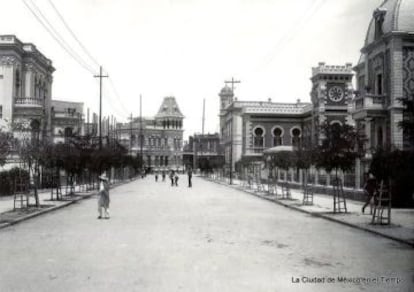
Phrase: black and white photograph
x=207 y=145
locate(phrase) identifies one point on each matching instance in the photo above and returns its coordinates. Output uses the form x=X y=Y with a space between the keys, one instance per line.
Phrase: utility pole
x=140 y=131
x=100 y=76
x=232 y=81
x=204 y=116
x=130 y=135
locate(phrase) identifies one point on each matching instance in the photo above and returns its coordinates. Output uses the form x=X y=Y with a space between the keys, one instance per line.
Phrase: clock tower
x=331 y=95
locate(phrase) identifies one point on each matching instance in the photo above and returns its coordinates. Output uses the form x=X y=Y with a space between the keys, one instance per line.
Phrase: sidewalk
x=401 y=228
x=9 y=217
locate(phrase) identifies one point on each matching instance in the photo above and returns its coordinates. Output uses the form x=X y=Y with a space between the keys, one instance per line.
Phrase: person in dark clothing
x=176 y=179
x=156 y=176
x=190 y=176
x=172 y=175
x=163 y=175
x=370 y=188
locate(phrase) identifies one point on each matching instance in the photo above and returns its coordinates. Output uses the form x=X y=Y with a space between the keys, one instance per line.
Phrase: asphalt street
x=205 y=238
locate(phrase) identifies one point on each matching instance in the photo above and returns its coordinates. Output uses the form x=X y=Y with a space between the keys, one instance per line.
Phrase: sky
x=188 y=48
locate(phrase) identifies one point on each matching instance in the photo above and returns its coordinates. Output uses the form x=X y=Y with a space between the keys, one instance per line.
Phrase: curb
x=54 y=208
x=315 y=214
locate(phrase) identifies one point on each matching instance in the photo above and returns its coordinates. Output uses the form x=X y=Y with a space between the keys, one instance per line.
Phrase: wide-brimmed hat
x=103 y=177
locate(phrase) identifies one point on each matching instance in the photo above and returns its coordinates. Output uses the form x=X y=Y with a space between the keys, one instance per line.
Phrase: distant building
x=249 y=127
x=203 y=151
x=160 y=138
x=25 y=88
x=67 y=120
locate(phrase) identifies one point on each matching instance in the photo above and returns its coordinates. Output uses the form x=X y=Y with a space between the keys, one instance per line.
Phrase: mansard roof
x=169 y=109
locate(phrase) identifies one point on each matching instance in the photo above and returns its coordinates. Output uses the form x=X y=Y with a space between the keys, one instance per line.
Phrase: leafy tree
x=337 y=151
x=4 y=147
x=395 y=168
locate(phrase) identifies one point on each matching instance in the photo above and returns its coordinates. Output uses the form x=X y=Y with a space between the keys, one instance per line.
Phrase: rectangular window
x=379 y=84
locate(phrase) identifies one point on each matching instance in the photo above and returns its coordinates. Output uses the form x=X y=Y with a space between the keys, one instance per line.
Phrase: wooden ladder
x=21 y=193
x=339 y=196
x=56 y=188
x=382 y=206
x=308 y=195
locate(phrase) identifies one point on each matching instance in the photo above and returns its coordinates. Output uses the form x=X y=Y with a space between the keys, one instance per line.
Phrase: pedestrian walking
x=370 y=188
x=103 y=201
x=190 y=176
x=172 y=175
x=176 y=179
x=156 y=176
x=163 y=175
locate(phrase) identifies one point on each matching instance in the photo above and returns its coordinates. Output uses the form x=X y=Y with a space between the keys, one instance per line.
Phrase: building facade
x=67 y=120
x=385 y=74
x=249 y=127
x=203 y=151
x=25 y=87
x=159 y=139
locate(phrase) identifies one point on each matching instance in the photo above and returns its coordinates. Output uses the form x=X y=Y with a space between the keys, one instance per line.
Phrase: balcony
x=28 y=102
x=369 y=105
x=66 y=115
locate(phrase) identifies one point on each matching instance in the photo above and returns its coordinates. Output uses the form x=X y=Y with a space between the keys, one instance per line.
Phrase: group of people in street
x=103 y=194
x=174 y=177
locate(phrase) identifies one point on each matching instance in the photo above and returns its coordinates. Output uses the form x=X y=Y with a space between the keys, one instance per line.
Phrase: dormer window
x=379 y=15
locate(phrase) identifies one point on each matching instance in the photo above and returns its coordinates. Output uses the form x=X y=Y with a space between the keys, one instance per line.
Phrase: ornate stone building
x=249 y=127
x=160 y=138
x=385 y=74
x=25 y=87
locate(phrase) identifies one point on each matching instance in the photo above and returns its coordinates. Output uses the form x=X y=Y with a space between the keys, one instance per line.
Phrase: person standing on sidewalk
x=103 y=201
x=370 y=187
x=176 y=177
x=190 y=176
x=163 y=175
x=156 y=176
x=172 y=175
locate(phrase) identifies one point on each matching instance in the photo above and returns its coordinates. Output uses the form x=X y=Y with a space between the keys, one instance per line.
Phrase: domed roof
x=226 y=91
x=398 y=15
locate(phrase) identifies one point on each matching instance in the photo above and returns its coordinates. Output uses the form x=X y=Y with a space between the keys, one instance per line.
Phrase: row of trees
x=340 y=147
x=81 y=159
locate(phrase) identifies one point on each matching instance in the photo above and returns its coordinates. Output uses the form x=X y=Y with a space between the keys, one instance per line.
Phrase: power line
x=56 y=36
x=117 y=95
x=73 y=34
x=291 y=34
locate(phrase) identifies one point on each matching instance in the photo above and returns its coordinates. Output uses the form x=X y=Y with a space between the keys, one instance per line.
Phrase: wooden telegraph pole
x=100 y=76
x=232 y=81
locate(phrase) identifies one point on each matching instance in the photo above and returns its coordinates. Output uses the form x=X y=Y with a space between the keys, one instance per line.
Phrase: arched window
x=258 y=137
x=296 y=133
x=277 y=136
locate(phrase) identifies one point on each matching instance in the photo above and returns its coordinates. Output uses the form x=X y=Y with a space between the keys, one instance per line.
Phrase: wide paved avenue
x=205 y=238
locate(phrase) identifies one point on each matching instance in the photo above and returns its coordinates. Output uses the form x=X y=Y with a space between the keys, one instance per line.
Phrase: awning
x=278 y=149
